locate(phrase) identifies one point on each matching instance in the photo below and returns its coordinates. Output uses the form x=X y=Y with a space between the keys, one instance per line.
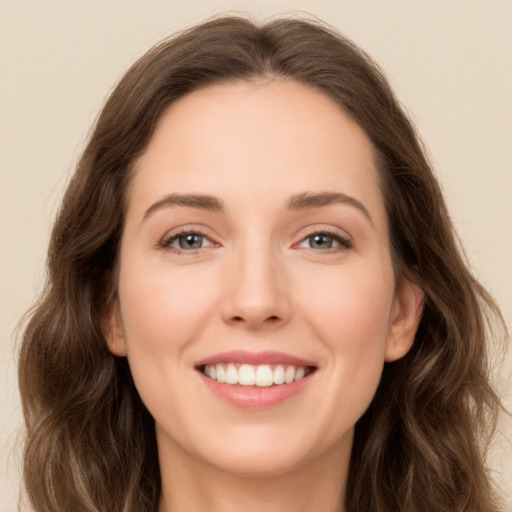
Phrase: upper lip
x=255 y=358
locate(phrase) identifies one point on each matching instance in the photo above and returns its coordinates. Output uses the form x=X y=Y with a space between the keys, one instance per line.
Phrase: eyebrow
x=200 y=202
x=304 y=201
x=307 y=201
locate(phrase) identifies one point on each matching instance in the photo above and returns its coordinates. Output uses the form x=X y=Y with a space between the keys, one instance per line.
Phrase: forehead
x=264 y=139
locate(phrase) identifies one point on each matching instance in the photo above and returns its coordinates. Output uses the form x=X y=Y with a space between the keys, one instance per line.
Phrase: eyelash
x=167 y=241
x=344 y=243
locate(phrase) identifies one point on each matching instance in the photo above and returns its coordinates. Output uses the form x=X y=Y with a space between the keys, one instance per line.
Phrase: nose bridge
x=257 y=292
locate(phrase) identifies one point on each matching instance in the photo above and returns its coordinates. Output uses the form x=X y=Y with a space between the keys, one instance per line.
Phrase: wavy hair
x=90 y=442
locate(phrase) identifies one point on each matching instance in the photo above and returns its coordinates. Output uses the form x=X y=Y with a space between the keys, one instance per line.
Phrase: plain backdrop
x=450 y=62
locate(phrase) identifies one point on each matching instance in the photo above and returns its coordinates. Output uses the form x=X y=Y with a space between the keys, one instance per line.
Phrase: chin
x=259 y=461
x=262 y=450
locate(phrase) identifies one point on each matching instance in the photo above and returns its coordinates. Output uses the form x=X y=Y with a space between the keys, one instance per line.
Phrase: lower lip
x=253 y=397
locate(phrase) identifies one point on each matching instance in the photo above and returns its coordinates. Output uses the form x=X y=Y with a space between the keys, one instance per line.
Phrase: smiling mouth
x=263 y=375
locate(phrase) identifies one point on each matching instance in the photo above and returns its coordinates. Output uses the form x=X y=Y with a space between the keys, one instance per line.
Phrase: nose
x=257 y=295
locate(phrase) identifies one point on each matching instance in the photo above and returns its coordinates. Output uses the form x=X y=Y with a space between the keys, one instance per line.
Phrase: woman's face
x=256 y=249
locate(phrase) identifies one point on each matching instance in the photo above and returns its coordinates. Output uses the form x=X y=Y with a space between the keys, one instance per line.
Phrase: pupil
x=325 y=242
x=191 y=242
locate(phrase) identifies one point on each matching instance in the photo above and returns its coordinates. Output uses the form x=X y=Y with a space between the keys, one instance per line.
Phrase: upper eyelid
x=344 y=243
x=300 y=236
x=325 y=229
x=184 y=230
x=316 y=228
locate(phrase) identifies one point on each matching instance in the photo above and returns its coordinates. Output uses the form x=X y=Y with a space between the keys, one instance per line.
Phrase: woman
x=255 y=296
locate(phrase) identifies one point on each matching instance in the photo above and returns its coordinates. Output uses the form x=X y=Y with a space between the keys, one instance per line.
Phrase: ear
x=113 y=331
x=405 y=318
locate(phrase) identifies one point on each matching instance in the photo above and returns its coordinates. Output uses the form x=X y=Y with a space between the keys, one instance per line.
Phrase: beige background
x=449 y=61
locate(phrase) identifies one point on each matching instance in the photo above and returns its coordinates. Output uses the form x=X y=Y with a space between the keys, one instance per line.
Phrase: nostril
x=254 y=320
x=271 y=319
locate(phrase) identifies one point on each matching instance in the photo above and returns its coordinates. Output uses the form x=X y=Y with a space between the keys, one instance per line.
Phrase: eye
x=186 y=241
x=325 y=241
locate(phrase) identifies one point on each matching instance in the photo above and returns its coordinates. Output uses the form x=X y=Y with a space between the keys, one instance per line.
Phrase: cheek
x=163 y=314
x=164 y=310
x=351 y=307
x=350 y=313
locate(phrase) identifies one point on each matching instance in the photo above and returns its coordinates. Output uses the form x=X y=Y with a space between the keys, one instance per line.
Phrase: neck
x=192 y=486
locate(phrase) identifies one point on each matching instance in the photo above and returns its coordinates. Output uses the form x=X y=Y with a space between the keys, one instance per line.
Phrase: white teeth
x=279 y=375
x=221 y=374
x=258 y=375
x=231 y=374
x=299 y=374
x=289 y=376
x=264 y=376
x=246 y=375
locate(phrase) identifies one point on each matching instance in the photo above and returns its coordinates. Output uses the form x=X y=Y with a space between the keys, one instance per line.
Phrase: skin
x=256 y=284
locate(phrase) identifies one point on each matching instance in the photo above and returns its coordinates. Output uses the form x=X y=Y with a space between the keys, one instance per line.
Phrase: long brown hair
x=90 y=443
